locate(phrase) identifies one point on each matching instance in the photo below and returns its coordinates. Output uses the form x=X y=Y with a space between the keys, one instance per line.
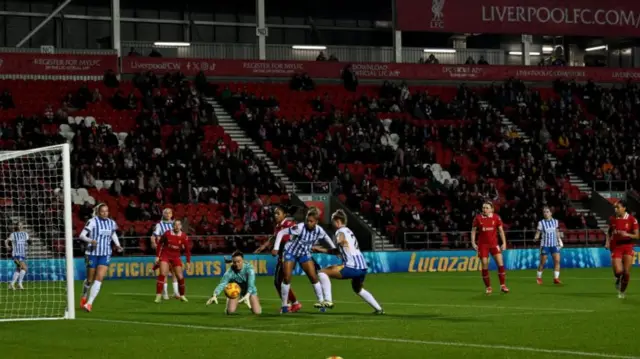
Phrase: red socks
x=625 y=282
x=485 y=278
x=292 y=297
x=160 y=284
x=502 y=275
x=181 y=286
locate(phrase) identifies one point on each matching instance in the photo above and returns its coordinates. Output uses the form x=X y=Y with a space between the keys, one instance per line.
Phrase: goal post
x=36 y=265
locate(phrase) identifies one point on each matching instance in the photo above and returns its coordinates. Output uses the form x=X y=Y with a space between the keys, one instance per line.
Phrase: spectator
x=110 y=79
x=470 y=61
x=6 y=100
x=48 y=114
x=333 y=58
x=321 y=57
x=155 y=53
x=132 y=213
x=349 y=79
x=482 y=61
x=432 y=60
x=133 y=52
x=96 y=96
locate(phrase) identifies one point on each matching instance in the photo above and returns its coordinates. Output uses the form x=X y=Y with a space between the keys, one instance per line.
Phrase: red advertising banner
x=612 y=18
x=62 y=64
x=390 y=71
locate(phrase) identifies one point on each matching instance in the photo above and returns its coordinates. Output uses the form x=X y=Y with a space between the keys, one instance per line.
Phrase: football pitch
x=431 y=315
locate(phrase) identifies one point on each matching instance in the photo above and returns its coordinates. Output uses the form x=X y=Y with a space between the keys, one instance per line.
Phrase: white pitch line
x=427 y=305
x=366 y=338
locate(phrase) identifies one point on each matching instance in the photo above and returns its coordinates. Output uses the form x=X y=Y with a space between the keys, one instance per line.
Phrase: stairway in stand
x=237 y=134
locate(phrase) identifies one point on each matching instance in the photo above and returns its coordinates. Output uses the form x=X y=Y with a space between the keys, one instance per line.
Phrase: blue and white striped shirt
x=19 y=243
x=102 y=231
x=548 y=229
x=162 y=227
x=303 y=239
x=350 y=253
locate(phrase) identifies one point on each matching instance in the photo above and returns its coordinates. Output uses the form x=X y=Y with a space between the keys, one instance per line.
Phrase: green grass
x=432 y=315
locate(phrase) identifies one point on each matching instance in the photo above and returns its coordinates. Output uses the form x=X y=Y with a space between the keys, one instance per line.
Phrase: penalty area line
x=374 y=339
x=426 y=305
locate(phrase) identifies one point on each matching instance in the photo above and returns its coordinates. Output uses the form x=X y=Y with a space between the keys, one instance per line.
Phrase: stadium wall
x=379 y=262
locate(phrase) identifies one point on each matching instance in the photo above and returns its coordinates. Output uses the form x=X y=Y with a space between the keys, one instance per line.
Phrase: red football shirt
x=487 y=228
x=171 y=245
x=626 y=223
x=287 y=223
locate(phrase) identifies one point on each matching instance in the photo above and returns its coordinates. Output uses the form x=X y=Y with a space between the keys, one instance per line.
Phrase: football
x=232 y=290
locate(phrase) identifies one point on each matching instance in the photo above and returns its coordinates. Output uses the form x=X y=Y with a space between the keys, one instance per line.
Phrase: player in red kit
x=282 y=222
x=168 y=258
x=623 y=230
x=486 y=227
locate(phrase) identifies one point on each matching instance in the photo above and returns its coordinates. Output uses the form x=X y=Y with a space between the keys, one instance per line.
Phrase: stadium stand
x=380 y=137
x=142 y=146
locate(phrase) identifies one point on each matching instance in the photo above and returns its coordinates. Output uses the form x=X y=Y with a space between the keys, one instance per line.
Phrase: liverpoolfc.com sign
x=544 y=17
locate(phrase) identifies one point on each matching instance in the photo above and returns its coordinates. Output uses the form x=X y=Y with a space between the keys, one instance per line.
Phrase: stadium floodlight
x=172 y=44
x=597 y=48
x=440 y=51
x=519 y=53
x=309 y=47
x=35 y=186
x=547 y=49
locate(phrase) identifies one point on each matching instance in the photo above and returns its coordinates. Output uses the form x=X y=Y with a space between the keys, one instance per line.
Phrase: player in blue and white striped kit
x=298 y=250
x=162 y=227
x=548 y=234
x=354 y=265
x=18 y=241
x=98 y=233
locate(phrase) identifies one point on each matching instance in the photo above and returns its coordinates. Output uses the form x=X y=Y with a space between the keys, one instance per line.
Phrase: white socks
x=284 y=293
x=318 y=289
x=176 y=288
x=556 y=274
x=21 y=276
x=15 y=278
x=85 y=288
x=325 y=282
x=95 y=289
x=369 y=299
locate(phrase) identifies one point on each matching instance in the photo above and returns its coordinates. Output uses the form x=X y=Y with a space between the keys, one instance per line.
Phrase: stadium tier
x=139 y=154
x=411 y=159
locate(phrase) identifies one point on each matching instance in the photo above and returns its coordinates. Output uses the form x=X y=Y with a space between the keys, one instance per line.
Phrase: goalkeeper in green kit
x=243 y=274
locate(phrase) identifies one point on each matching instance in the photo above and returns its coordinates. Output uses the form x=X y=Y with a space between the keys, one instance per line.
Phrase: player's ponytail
x=340 y=215
x=313 y=212
x=96 y=209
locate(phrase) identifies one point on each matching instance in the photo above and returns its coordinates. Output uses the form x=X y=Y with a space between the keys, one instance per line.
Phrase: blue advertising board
x=379 y=262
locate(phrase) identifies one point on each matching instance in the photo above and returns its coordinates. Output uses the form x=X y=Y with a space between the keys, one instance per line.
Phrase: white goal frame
x=65 y=151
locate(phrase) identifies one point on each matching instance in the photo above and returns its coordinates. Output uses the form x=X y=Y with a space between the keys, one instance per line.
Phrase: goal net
x=36 y=262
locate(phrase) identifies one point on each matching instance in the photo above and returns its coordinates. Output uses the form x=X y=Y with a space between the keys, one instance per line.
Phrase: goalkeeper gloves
x=213 y=299
x=246 y=300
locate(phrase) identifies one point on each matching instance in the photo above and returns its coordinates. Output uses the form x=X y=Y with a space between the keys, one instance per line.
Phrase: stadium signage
x=59 y=64
x=382 y=71
x=540 y=17
x=378 y=262
x=96 y=65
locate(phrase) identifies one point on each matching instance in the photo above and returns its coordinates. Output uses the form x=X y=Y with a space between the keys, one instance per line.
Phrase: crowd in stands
x=377 y=148
x=172 y=154
x=506 y=169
